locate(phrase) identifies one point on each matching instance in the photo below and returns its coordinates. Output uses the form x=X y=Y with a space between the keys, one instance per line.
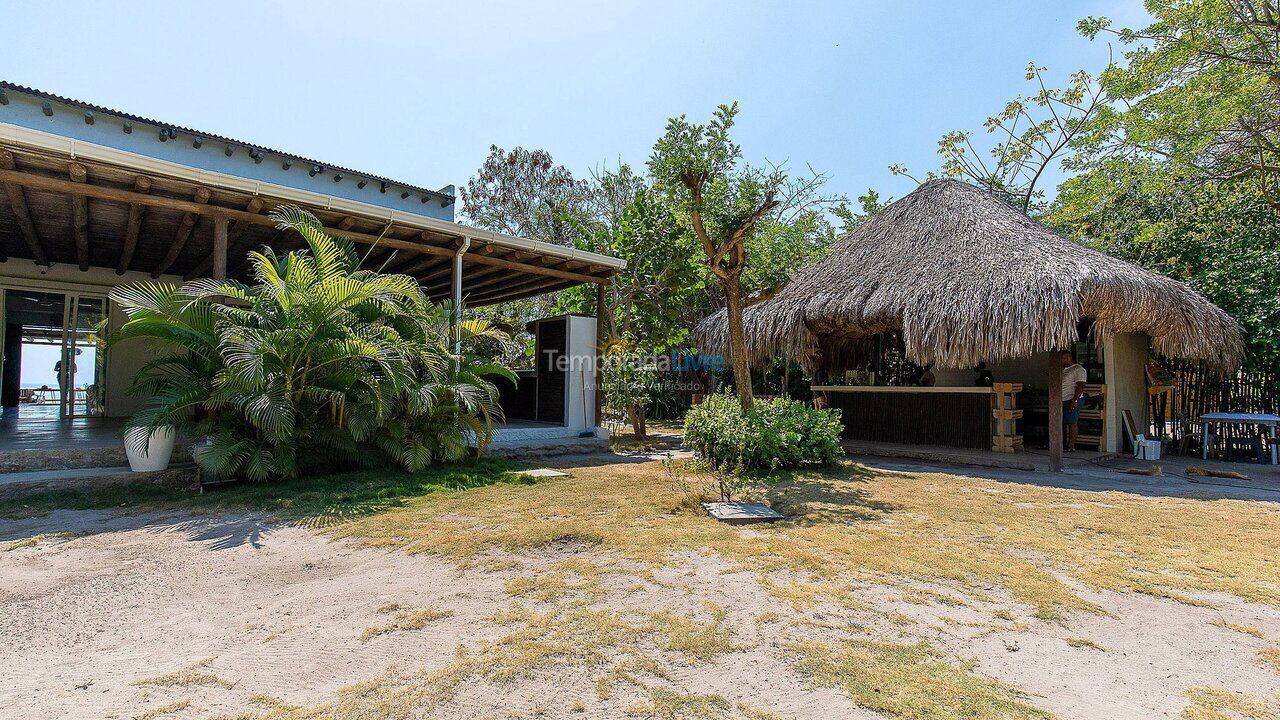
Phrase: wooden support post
x=236 y=230
x=18 y=203
x=80 y=216
x=142 y=185
x=601 y=332
x=183 y=234
x=219 y=247
x=1055 y=412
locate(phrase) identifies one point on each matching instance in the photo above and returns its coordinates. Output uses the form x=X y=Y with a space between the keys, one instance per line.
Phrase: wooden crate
x=1004 y=418
x=1096 y=415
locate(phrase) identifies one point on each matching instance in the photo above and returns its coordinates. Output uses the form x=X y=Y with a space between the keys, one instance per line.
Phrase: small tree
x=725 y=198
x=646 y=298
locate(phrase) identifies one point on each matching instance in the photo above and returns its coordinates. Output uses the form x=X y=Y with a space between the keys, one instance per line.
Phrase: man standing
x=1073 y=381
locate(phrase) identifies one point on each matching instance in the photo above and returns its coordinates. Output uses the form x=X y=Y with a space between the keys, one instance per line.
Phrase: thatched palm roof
x=965 y=277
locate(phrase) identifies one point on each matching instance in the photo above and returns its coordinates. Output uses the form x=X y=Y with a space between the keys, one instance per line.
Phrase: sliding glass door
x=54 y=355
x=83 y=356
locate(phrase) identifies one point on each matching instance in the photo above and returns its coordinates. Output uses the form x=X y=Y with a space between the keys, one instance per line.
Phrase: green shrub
x=315 y=365
x=773 y=434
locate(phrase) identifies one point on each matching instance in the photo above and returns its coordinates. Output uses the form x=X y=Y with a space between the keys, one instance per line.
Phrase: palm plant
x=452 y=402
x=313 y=360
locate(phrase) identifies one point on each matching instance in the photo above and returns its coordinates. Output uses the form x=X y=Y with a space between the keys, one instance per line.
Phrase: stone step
x=69 y=458
x=176 y=475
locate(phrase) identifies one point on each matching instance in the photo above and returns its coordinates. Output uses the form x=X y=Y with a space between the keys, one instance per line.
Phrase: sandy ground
x=280 y=611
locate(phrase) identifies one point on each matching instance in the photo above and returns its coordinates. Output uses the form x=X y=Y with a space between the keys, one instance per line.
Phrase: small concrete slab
x=540 y=473
x=741 y=513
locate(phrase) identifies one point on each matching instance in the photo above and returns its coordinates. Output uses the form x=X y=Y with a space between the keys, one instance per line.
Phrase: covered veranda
x=92 y=198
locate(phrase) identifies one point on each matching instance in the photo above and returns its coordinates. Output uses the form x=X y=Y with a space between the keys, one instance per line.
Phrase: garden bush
x=315 y=365
x=774 y=434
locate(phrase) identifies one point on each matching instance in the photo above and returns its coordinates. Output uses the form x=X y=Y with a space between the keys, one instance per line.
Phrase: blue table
x=1266 y=420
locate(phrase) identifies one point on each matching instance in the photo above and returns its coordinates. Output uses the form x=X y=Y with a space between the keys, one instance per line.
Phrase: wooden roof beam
x=478 y=279
x=18 y=202
x=80 y=216
x=185 y=227
x=525 y=290
x=512 y=288
x=420 y=263
x=142 y=186
x=414 y=265
x=537 y=270
x=44 y=182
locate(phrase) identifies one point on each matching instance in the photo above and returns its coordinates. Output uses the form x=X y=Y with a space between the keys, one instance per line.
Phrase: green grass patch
x=318 y=500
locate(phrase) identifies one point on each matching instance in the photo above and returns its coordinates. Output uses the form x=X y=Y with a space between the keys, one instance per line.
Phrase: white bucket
x=148 y=457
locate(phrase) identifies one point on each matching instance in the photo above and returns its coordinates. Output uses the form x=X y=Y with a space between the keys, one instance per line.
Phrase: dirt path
x=217 y=613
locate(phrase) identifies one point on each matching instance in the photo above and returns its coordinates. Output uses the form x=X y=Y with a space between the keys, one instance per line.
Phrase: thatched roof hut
x=966 y=278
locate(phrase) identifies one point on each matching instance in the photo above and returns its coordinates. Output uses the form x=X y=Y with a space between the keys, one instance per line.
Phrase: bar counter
x=953 y=416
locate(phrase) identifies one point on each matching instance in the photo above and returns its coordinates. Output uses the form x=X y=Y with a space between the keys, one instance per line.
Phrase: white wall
x=1125 y=362
x=580 y=398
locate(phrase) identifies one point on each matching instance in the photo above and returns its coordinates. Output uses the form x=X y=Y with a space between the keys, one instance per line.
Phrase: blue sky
x=418 y=91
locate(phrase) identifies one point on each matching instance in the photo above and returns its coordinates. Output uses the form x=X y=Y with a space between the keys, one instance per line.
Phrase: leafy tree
x=650 y=298
x=524 y=193
x=1224 y=241
x=703 y=172
x=1199 y=90
x=869 y=204
x=1180 y=172
x=661 y=275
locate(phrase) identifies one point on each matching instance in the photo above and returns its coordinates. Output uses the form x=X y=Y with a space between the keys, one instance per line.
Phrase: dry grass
x=566 y=578
x=1246 y=629
x=405 y=619
x=1270 y=656
x=570 y=635
x=190 y=676
x=932 y=539
x=941 y=540
x=163 y=710
x=36 y=540
x=665 y=704
x=1084 y=643
x=909 y=681
x=855 y=524
x=694 y=638
x=1219 y=704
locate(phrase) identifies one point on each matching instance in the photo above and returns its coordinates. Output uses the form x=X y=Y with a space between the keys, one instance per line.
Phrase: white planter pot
x=150 y=456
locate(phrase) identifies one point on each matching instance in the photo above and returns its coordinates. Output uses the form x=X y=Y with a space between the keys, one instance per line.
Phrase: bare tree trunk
x=737 y=339
x=636 y=412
